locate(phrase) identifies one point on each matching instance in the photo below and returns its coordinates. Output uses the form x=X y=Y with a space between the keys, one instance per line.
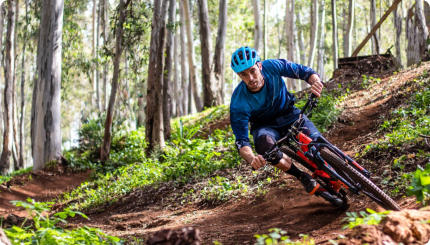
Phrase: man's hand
x=255 y=161
x=258 y=162
x=317 y=86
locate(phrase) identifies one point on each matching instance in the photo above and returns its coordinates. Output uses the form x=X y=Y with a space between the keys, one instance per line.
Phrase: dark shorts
x=265 y=137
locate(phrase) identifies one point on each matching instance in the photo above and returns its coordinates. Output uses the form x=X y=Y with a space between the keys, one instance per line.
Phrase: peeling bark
x=9 y=55
x=45 y=114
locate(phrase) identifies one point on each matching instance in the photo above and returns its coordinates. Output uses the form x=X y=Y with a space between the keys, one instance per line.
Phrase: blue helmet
x=244 y=58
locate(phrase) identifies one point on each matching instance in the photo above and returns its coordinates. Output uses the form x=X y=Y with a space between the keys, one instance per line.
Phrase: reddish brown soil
x=285 y=206
x=41 y=186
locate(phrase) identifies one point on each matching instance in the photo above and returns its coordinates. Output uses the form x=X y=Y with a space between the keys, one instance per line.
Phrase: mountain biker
x=262 y=99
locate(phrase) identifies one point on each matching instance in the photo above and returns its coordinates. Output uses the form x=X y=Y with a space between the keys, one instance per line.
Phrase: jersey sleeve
x=239 y=123
x=292 y=70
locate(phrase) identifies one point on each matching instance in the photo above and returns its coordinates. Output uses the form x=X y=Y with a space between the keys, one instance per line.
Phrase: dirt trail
x=285 y=206
x=42 y=186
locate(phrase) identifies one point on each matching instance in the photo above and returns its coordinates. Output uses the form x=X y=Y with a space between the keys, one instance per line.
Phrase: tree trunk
x=2 y=21
x=185 y=96
x=177 y=99
x=192 y=70
x=154 y=119
x=301 y=39
x=335 y=40
x=265 y=31
x=15 y=146
x=219 y=52
x=94 y=53
x=398 y=24
x=105 y=36
x=290 y=23
x=140 y=111
x=348 y=35
x=375 y=42
x=321 y=39
x=168 y=73
x=209 y=98
x=105 y=148
x=257 y=24
x=314 y=32
x=23 y=74
x=421 y=30
x=9 y=55
x=45 y=113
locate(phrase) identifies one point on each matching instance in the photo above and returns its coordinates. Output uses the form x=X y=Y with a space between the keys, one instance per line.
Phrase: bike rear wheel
x=368 y=187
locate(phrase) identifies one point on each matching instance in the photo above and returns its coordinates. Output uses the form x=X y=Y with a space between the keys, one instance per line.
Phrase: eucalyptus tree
x=154 y=118
x=321 y=40
x=257 y=24
x=45 y=112
x=209 y=97
x=193 y=90
x=105 y=148
x=301 y=39
x=104 y=21
x=186 y=95
x=168 y=69
x=313 y=32
x=334 y=33
x=218 y=62
x=397 y=19
x=375 y=41
x=23 y=74
x=9 y=58
x=347 y=40
x=177 y=98
x=422 y=30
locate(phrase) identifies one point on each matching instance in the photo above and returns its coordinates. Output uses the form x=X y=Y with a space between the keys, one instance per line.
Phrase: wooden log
x=376 y=27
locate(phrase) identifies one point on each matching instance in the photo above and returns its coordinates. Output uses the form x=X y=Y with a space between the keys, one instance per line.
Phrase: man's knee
x=264 y=143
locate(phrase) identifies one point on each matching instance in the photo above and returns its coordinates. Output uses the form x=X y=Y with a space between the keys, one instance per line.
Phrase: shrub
x=370 y=217
x=44 y=229
x=420 y=185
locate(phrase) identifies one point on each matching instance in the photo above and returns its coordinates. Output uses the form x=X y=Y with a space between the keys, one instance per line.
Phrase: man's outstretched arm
x=255 y=161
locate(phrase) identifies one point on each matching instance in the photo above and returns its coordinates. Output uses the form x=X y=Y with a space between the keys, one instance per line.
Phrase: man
x=262 y=99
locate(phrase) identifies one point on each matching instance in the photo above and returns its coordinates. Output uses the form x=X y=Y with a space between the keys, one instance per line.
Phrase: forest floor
x=286 y=205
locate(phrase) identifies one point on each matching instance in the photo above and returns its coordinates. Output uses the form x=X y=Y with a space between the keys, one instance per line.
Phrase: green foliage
x=327 y=111
x=407 y=124
x=369 y=81
x=370 y=217
x=420 y=185
x=220 y=189
x=43 y=229
x=7 y=177
x=184 y=157
x=278 y=236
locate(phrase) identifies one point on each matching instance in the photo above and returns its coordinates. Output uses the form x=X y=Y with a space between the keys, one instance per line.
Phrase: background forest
x=119 y=109
x=106 y=63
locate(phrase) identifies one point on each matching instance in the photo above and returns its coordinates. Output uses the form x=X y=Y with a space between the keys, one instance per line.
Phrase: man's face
x=253 y=78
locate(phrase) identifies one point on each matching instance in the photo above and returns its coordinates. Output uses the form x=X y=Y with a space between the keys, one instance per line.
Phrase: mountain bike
x=335 y=171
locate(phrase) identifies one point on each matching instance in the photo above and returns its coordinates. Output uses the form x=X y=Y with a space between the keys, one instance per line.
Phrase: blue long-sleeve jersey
x=265 y=106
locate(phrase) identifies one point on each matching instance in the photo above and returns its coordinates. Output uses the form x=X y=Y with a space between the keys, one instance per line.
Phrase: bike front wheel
x=367 y=186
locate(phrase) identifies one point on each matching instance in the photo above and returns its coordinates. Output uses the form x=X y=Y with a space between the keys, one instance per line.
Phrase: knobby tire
x=366 y=184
